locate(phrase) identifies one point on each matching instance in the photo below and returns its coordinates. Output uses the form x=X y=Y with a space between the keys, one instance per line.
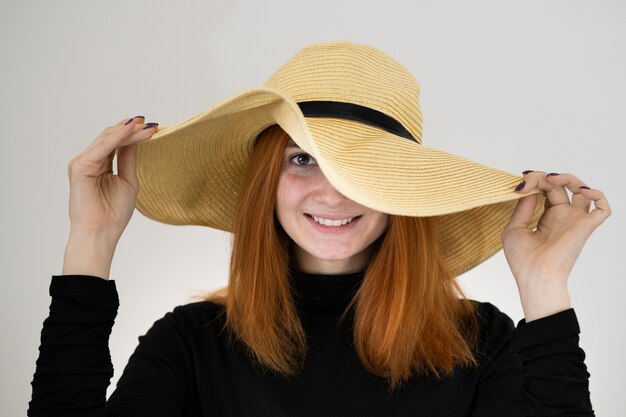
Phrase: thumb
x=523 y=213
x=127 y=164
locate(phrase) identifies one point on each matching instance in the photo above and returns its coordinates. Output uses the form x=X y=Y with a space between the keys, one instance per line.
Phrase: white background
x=512 y=84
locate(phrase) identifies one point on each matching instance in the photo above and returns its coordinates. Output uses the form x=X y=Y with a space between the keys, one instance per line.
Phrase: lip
x=333 y=229
x=332 y=216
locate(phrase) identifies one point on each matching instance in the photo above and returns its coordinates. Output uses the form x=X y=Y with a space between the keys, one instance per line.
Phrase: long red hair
x=410 y=315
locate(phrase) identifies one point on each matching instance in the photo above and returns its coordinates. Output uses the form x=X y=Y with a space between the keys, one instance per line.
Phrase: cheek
x=382 y=223
x=286 y=198
x=280 y=200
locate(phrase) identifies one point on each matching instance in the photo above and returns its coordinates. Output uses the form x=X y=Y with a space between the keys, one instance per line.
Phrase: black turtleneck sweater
x=184 y=365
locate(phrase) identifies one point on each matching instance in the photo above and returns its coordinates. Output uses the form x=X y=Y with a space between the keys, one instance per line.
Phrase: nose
x=327 y=194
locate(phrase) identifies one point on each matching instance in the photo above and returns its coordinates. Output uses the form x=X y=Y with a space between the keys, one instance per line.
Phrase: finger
x=127 y=164
x=547 y=204
x=580 y=201
x=136 y=119
x=555 y=193
x=573 y=184
x=111 y=130
x=114 y=137
x=602 y=210
x=569 y=181
x=523 y=213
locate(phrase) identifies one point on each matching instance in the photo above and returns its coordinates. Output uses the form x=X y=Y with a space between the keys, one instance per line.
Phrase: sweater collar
x=318 y=292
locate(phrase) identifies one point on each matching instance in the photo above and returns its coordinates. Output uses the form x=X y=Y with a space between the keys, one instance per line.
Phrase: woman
x=347 y=236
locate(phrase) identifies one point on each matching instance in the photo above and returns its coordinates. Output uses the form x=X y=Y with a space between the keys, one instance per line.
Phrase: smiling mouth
x=335 y=223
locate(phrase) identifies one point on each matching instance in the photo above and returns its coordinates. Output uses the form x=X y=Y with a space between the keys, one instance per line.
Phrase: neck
x=312 y=265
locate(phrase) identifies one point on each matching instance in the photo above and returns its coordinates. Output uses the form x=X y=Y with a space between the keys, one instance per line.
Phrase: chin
x=330 y=254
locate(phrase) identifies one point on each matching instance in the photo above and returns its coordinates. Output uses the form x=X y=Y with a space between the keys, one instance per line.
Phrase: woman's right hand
x=101 y=203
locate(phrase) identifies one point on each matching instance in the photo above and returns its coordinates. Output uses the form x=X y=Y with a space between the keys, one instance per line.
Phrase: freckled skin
x=304 y=190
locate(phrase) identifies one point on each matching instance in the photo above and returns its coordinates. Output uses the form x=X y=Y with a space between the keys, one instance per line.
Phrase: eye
x=303 y=159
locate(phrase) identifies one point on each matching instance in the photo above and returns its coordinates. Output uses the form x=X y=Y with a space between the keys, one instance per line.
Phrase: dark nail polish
x=138 y=117
x=520 y=186
x=128 y=122
x=150 y=125
x=585 y=187
x=527 y=171
x=552 y=174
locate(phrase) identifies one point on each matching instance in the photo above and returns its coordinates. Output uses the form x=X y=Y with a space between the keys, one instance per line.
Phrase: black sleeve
x=540 y=371
x=74 y=367
x=555 y=380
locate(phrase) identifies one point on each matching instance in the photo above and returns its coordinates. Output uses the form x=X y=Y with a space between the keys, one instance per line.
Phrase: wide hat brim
x=192 y=173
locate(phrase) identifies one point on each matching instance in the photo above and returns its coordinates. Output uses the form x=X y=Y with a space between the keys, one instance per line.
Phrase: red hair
x=410 y=315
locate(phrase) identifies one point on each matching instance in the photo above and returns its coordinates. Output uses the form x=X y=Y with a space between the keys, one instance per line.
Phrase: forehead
x=291 y=144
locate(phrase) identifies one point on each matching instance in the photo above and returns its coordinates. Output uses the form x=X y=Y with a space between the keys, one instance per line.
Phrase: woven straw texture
x=192 y=173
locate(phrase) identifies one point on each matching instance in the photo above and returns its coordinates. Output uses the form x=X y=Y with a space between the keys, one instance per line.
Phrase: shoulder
x=198 y=314
x=190 y=318
x=185 y=328
x=490 y=316
x=495 y=328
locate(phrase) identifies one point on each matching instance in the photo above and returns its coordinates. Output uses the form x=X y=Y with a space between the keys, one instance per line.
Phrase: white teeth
x=327 y=222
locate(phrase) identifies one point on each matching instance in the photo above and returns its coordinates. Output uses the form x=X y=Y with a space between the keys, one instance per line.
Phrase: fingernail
x=552 y=174
x=520 y=186
x=130 y=120
x=585 y=187
x=527 y=171
x=150 y=125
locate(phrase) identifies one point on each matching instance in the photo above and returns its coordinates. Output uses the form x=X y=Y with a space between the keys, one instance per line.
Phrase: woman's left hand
x=541 y=260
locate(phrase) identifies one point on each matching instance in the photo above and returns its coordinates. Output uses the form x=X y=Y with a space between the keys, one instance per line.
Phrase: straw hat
x=356 y=111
